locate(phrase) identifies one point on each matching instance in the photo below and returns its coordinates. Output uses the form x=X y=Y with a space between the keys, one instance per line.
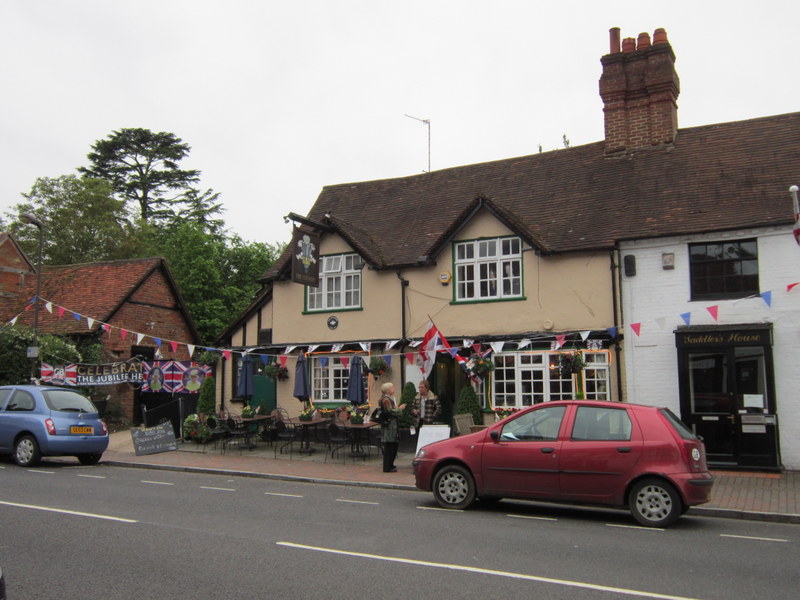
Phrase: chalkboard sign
x=432 y=433
x=151 y=440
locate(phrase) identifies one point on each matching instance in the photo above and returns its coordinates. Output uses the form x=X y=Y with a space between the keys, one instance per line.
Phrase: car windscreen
x=678 y=425
x=67 y=400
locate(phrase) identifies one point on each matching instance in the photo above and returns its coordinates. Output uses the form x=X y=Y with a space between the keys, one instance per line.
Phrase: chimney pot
x=629 y=45
x=660 y=36
x=643 y=41
x=614 y=39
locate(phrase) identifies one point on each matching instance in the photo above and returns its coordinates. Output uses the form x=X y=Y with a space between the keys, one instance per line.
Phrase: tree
x=142 y=166
x=217 y=276
x=83 y=221
x=14 y=340
x=468 y=403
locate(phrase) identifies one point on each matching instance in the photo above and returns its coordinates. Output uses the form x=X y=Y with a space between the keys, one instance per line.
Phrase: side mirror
x=494 y=434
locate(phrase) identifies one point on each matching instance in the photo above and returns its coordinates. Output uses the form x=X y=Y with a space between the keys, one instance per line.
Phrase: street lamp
x=33 y=352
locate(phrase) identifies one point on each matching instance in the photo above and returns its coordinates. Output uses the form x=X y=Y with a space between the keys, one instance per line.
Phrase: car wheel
x=26 y=451
x=454 y=487
x=89 y=459
x=655 y=503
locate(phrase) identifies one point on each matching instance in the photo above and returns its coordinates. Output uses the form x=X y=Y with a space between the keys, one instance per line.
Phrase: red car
x=583 y=452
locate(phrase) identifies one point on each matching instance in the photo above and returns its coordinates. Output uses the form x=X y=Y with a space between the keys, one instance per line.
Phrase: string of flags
x=558 y=341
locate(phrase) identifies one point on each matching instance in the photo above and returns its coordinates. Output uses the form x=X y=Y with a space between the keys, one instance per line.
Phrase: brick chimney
x=639 y=88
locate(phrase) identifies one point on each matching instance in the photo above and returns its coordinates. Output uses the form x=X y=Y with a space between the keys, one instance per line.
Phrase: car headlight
x=420 y=453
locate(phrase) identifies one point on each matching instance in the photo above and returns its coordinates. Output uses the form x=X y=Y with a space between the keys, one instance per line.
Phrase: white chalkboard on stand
x=432 y=433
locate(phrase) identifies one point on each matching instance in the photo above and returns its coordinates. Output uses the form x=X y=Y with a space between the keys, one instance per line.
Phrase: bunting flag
x=345 y=361
x=174 y=346
x=410 y=357
x=123 y=333
x=90 y=322
x=365 y=346
x=157 y=341
x=323 y=361
x=791 y=286
x=388 y=359
x=190 y=348
x=226 y=354
x=392 y=344
x=264 y=359
x=335 y=348
x=687 y=318
x=61 y=311
x=584 y=335
x=453 y=352
x=560 y=339
x=288 y=349
x=612 y=331
x=77 y=316
x=139 y=338
x=523 y=344
x=467 y=343
x=313 y=347
x=767 y=297
x=106 y=327
x=282 y=359
x=49 y=307
x=637 y=327
x=713 y=311
x=497 y=347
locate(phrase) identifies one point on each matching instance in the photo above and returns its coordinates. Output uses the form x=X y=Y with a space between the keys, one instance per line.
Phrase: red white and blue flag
x=796 y=228
x=431 y=344
x=59 y=374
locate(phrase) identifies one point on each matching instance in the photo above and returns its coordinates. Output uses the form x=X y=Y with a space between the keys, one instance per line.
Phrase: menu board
x=151 y=440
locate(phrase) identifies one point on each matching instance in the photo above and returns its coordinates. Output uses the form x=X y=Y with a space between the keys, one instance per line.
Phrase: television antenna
x=428 y=123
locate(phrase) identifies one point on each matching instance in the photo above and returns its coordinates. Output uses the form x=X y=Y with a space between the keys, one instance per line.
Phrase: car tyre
x=655 y=503
x=90 y=459
x=26 y=451
x=454 y=487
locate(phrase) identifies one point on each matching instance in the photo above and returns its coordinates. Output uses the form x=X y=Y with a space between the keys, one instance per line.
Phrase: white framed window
x=596 y=376
x=339 y=284
x=328 y=379
x=488 y=269
x=522 y=379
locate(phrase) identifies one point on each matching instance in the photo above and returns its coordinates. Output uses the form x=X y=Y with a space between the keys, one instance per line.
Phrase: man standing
x=426 y=407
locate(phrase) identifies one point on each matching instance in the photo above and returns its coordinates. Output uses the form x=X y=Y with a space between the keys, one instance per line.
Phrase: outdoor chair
x=238 y=433
x=461 y=423
x=286 y=434
x=338 y=440
x=218 y=430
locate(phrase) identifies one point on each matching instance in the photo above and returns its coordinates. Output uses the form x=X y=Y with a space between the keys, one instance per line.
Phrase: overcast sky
x=278 y=99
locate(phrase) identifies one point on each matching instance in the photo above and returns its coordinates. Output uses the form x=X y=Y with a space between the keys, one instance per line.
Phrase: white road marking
x=41 y=471
x=156 y=482
x=748 y=537
x=92 y=476
x=355 y=501
x=452 y=510
x=468 y=569
x=534 y=518
x=635 y=527
x=69 y=512
x=217 y=489
x=284 y=495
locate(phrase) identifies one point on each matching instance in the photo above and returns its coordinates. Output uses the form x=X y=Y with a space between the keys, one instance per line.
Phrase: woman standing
x=389 y=426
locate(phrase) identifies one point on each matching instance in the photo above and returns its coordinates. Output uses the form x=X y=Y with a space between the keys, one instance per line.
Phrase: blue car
x=37 y=421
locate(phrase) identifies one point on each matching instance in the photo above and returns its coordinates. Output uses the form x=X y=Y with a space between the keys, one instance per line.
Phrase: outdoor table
x=358 y=429
x=305 y=443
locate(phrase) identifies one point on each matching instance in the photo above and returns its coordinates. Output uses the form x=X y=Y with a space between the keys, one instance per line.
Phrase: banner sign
x=156 y=376
x=305 y=258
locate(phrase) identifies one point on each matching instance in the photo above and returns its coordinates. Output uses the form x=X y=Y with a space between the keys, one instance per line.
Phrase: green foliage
x=14 y=342
x=217 y=277
x=407 y=419
x=143 y=168
x=207 y=402
x=82 y=221
x=195 y=430
x=468 y=403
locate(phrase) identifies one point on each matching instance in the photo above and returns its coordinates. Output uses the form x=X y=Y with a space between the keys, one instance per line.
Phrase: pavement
x=736 y=494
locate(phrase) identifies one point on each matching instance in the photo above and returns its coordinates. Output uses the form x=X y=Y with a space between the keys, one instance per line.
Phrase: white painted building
x=727 y=366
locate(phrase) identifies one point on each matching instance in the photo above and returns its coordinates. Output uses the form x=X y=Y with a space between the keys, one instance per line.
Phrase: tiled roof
x=93 y=290
x=714 y=178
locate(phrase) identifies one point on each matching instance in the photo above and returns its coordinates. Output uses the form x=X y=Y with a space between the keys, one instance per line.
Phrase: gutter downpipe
x=614 y=266
x=403 y=286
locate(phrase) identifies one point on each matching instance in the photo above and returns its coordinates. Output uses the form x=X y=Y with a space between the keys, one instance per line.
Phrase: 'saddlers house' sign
x=725 y=337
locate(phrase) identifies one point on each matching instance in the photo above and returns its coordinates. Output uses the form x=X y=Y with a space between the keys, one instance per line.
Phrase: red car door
x=599 y=454
x=521 y=459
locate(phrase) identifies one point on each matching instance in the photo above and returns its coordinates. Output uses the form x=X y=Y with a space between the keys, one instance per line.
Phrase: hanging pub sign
x=305 y=258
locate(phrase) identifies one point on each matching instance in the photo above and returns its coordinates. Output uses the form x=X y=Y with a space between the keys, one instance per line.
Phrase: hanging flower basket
x=570 y=364
x=276 y=371
x=378 y=366
x=480 y=365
